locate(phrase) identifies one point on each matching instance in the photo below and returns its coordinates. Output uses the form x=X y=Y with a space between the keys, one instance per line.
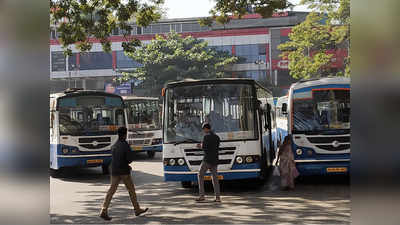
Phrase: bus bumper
x=156 y=148
x=323 y=168
x=82 y=161
x=182 y=173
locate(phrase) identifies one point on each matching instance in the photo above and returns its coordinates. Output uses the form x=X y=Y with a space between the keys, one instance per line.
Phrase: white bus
x=143 y=120
x=83 y=127
x=319 y=122
x=236 y=115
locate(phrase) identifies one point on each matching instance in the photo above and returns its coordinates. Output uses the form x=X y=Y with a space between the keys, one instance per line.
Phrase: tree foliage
x=225 y=9
x=327 y=28
x=78 y=20
x=172 y=57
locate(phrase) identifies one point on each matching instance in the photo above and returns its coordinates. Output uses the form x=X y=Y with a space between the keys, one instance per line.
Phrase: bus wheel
x=151 y=154
x=186 y=184
x=55 y=173
x=105 y=169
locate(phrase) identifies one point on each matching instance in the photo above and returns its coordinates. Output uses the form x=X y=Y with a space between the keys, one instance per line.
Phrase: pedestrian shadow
x=171 y=204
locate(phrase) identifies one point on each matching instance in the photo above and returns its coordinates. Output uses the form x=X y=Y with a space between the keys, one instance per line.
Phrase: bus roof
x=320 y=81
x=215 y=81
x=81 y=92
x=127 y=98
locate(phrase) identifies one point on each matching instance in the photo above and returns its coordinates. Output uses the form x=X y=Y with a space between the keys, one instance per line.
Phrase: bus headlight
x=299 y=151
x=249 y=159
x=65 y=150
x=181 y=162
x=172 y=162
x=239 y=160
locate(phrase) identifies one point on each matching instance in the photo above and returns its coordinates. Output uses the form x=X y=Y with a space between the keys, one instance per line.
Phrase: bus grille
x=134 y=136
x=326 y=140
x=90 y=143
x=332 y=148
x=140 y=142
x=90 y=146
x=189 y=153
x=98 y=139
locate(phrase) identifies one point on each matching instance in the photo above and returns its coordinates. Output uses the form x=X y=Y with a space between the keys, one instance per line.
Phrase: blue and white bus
x=319 y=121
x=83 y=127
x=281 y=119
x=237 y=116
x=143 y=120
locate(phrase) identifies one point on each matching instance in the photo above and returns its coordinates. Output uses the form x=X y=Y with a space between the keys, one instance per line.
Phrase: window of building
x=115 y=31
x=226 y=48
x=95 y=61
x=147 y=30
x=156 y=29
x=165 y=28
x=176 y=27
x=58 y=61
x=124 y=61
x=72 y=62
x=190 y=27
x=139 y=30
x=53 y=34
x=251 y=53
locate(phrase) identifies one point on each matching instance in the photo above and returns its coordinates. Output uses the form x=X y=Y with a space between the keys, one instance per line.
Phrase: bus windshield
x=327 y=110
x=90 y=115
x=143 y=114
x=229 y=108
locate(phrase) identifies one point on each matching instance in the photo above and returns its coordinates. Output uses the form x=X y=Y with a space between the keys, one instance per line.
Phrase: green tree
x=78 y=20
x=327 y=28
x=172 y=57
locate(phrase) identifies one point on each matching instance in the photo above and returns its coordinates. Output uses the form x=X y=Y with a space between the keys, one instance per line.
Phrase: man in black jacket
x=210 y=147
x=120 y=170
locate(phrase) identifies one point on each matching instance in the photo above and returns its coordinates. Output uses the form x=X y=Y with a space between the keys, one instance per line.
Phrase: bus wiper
x=188 y=140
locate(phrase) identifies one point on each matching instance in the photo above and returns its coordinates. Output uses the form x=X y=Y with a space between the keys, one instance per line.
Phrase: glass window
x=58 y=62
x=177 y=27
x=116 y=31
x=327 y=110
x=147 y=30
x=156 y=29
x=72 y=62
x=226 y=48
x=190 y=27
x=251 y=53
x=124 y=61
x=143 y=114
x=95 y=61
x=89 y=115
x=229 y=108
x=139 y=30
x=133 y=31
x=165 y=28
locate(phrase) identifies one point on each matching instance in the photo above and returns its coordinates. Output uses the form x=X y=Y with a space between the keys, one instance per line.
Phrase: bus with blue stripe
x=143 y=120
x=83 y=128
x=319 y=121
x=236 y=115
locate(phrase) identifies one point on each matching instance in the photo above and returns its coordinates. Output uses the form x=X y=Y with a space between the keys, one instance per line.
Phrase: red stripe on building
x=114 y=60
x=203 y=34
x=285 y=31
x=233 y=50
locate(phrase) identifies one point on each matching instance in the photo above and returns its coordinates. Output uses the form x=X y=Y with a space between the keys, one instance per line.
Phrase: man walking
x=120 y=170
x=210 y=147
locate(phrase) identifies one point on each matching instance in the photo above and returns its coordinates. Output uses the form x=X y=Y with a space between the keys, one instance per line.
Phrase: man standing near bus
x=120 y=170
x=210 y=146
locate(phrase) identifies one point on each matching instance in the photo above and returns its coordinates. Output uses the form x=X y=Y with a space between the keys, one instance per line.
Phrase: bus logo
x=95 y=143
x=335 y=144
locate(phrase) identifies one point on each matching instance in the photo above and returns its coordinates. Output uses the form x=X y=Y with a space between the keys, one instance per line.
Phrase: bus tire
x=151 y=154
x=55 y=173
x=186 y=184
x=105 y=169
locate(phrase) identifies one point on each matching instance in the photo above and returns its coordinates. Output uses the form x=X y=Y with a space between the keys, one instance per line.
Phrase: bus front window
x=327 y=110
x=228 y=108
x=143 y=115
x=89 y=115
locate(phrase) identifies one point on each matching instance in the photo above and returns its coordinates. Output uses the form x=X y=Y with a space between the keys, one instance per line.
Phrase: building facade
x=253 y=39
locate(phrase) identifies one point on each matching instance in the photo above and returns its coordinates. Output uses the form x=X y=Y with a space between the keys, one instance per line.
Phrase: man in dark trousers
x=120 y=170
x=210 y=147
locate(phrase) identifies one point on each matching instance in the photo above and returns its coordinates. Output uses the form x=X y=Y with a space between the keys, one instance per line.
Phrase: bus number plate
x=90 y=161
x=220 y=177
x=136 y=148
x=336 y=170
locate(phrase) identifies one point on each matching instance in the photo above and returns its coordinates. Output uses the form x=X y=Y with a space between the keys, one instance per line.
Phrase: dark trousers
x=200 y=177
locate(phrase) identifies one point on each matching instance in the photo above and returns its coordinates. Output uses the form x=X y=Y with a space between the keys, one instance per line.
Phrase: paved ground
x=77 y=196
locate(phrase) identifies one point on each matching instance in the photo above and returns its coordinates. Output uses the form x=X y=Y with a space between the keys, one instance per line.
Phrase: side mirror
x=284 y=108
